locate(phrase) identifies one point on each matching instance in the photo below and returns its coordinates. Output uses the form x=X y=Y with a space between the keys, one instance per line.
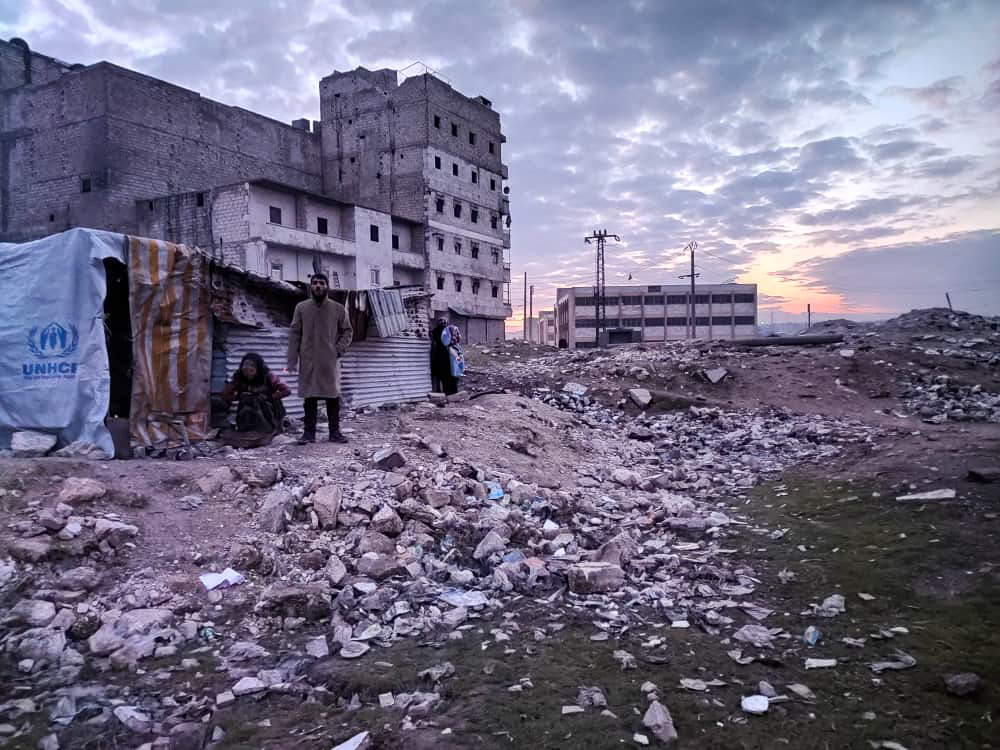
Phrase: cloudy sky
x=843 y=154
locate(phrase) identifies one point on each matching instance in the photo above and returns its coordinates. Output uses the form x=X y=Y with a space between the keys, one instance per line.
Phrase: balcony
x=503 y=171
x=301 y=239
x=408 y=260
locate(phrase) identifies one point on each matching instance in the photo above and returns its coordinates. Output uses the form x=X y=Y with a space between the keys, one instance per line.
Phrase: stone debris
x=357 y=742
x=31 y=444
x=900 y=660
x=78 y=490
x=755 y=704
x=831 y=607
x=930 y=496
x=820 y=663
x=963 y=684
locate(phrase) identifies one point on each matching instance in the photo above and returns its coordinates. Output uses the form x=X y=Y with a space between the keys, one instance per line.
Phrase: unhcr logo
x=52 y=342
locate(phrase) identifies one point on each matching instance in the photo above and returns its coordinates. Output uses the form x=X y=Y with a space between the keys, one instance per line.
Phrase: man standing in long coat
x=320 y=334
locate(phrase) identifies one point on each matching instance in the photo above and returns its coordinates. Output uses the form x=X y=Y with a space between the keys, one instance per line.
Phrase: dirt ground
x=929 y=570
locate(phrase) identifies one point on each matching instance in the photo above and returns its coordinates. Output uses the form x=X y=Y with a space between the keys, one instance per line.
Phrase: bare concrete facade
x=99 y=145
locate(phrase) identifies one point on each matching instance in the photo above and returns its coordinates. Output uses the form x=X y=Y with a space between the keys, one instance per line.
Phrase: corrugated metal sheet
x=373 y=372
x=385 y=370
x=387 y=311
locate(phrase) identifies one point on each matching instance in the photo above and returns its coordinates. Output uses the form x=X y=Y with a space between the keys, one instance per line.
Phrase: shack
x=105 y=329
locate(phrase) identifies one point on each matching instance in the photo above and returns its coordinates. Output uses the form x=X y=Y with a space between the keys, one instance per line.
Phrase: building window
x=474 y=216
x=395 y=242
x=655 y=299
x=631 y=300
x=440 y=282
x=745 y=320
x=677 y=299
x=721 y=299
x=475 y=250
x=472 y=138
x=458 y=247
x=277 y=272
x=677 y=321
x=585 y=323
x=495 y=291
x=454 y=169
x=496 y=257
x=493 y=222
x=458 y=285
x=440 y=243
x=321 y=225
x=52 y=217
x=437 y=121
x=493 y=184
x=458 y=210
x=654 y=322
x=743 y=298
x=475 y=287
x=454 y=130
x=437 y=162
x=373 y=232
x=654 y=288
x=475 y=177
x=440 y=205
x=274 y=214
x=492 y=147
x=199 y=200
x=632 y=322
x=375 y=278
x=721 y=320
x=85 y=185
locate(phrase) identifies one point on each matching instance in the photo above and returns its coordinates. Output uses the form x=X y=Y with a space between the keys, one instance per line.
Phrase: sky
x=843 y=154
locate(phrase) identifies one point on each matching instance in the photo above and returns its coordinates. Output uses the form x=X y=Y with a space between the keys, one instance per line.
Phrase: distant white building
x=656 y=313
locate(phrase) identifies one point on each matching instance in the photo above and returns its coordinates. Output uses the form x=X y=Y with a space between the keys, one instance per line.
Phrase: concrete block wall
x=19 y=65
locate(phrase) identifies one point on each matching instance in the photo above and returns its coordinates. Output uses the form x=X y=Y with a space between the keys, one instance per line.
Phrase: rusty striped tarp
x=171 y=343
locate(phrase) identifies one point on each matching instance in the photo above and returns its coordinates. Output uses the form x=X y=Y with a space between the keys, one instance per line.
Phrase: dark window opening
x=395 y=242
x=632 y=322
x=458 y=285
x=702 y=321
x=496 y=291
x=458 y=248
x=474 y=216
x=440 y=205
x=437 y=162
x=340 y=175
x=458 y=210
x=493 y=222
x=677 y=321
x=475 y=250
x=656 y=299
x=496 y=257
x=744 y=298
x=151 y=205
x=745 y=320
x=52 y=217
x=701 y=299
x=721 y=320
x=454 y=130
x=677 y=299
x=373 y=232
x=321 y=225
x=472 y=138
x=437 y=121
x=454 y=169
x=440 y=243
x=274 y=214
x=655 y=288
x=199 y=200
x=475 y=287
x=440 y=282
x=631 y=300
x=585 y=323
x=492 y=147
x=475 y=177
x=493 y=184
x=352 y=160
x=85 y=185
x=654 y=322
x=721 y=299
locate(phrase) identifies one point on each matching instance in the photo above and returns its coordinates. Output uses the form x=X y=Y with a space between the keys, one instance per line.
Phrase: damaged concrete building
x=397 y=184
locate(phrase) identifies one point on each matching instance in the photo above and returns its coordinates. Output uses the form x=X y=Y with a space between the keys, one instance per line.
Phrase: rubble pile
x=939 y=398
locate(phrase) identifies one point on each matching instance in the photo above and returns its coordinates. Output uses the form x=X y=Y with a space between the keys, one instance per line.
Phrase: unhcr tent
x=55 y=373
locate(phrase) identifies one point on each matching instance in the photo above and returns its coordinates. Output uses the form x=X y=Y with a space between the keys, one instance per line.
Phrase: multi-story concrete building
x=407 y=178
x=656 y=313
x=547 y=327
x=422 y=151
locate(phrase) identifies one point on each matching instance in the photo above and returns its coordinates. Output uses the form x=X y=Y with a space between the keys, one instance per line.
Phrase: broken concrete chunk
x=326 y=504
x=215 y=480
x=963 y=685
x=31 y=444
x=387 y=521
x=985 y=474
x=248 y=686
x=134 y=719
x=920 y=497
x=716 y=374
x=489 y=545
x=33 y=612
x=755 y=704
x=625 y=477
x=277 y=503
x=78 y=490
x=595 y=577
x=354 y=649
x=29 y=550
x=640 y=397
x=388 y=459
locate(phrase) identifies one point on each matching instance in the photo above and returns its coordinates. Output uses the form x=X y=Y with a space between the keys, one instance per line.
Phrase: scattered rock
x=215 y=480
x=248 y=686
x=31 y=444
x=33 y=612
x=388 y=459
x=277 y=504
x=387 y=521
x=595 y=577
x=354 y=649
x=985 y=474
x=658 y=721
x=29 y=550
x=134 y=719
x=963 y=685
x=640 y=397
x=326 y=502
x=79 y=490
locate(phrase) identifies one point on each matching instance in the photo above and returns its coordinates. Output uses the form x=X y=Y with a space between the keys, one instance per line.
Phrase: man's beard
x=318 y=297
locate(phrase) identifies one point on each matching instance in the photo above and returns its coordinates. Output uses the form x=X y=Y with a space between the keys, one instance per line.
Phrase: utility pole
x=809 y=316
x=524 y=311
x=692 y=246
x=531 y=313
x=600 y=301
x=947 y=296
